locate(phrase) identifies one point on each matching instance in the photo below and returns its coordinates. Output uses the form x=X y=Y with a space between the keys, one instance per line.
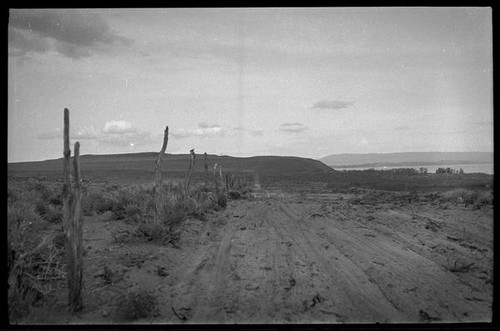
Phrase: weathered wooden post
x=215 y=181
x=158 y=178
x=227 y=183
x=206 y=169
x=72 y=203
x=190 y=171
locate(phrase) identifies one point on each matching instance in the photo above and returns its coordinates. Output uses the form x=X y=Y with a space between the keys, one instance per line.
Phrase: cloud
x=118 y=127
x=48 y=135
x=73 y=33
x=204 y=130
x=85 y=133
x=208 y=126
x=81 y=133
x=293 y=127
x=138 y=138
x=115 y=133
x=483 y=123
x=332 y=104
x=23 y=42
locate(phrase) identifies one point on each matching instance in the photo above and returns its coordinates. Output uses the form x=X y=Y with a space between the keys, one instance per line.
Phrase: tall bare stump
x=72 y=202
x=158 y=179
x=206 y=169
x=190 y=171
x=227 y=183
x=216 y=184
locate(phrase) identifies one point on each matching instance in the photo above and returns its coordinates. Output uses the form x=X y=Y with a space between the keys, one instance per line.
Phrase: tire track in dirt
x=281 y=261
x=203 y=276
x=356 y=297
x=414 y=284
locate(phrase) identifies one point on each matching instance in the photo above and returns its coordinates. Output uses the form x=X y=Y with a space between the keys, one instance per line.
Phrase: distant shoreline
x=468 y=168
x=406 y=164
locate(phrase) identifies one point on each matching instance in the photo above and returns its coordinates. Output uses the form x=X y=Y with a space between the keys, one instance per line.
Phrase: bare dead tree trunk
x=206 y=169
x=227 y=183
x=158 y=178
x=215 y=181
x=77 y=233
x=72 y=197
x=66 y=171
x=190 y=171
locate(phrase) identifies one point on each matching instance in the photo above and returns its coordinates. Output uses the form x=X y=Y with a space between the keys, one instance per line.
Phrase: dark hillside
x=144 y=163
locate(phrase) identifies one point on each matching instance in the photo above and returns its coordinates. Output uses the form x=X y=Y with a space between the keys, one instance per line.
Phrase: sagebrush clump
x=35 y=261
x=468 y=198
x=137 y=303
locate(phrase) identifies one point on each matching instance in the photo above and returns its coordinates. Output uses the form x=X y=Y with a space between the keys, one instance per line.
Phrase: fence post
x=215 y=181
x=206 y=169
x=190 y=171
x=158 y=182
x=227 y=183
x=72 y=196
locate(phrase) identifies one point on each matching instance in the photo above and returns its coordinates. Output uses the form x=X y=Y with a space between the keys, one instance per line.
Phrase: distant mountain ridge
x=405 y=159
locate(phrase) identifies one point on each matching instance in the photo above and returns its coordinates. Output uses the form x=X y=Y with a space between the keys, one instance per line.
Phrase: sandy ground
x=282 y=258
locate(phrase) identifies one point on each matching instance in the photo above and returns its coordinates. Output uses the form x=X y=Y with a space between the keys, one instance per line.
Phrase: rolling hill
x=175 y=163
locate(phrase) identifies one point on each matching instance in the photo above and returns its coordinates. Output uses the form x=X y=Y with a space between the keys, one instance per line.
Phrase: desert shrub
x=133 y=202
x=484 y=199
x=222 y=200
x=235 y=195
x=133 y=212
x=468 y=197
x=137 y=205
x=12 y=194
x=202 y=200
x=33 y=262
x=175 y=210
x=459 y=195
x=45 y=199
x=98 y=202
x=53 y=213
x=46 y=193
x=137 y=303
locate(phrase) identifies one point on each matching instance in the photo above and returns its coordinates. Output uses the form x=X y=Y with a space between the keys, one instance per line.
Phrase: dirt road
x=284 y=260
x=290 y=258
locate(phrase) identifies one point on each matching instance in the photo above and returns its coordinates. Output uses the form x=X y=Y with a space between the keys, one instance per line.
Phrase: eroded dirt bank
x=291 y=258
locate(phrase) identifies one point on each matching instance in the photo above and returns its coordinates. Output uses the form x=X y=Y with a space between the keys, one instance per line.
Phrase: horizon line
x=264 y=155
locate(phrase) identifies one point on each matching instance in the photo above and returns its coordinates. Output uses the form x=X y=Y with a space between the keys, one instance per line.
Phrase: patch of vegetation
x=136 y=304
x=137 y=206
x=96 y=201
x=35 y=259
x=133 y=202
x=474 y=199
x=404 y=180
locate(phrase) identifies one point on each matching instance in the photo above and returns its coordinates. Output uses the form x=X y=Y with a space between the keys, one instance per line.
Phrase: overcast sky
x=244 y=82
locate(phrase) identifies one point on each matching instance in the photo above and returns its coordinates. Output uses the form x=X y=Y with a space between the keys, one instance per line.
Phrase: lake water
x=486 y=168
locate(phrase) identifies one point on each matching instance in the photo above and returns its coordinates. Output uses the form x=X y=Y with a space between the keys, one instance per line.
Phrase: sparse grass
x=468 y=197
x=133 y=202
x=137 y=303
x=137 y=206
x=401 y=181
x=35 y=259
x=97 y=202
x=36 y=253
